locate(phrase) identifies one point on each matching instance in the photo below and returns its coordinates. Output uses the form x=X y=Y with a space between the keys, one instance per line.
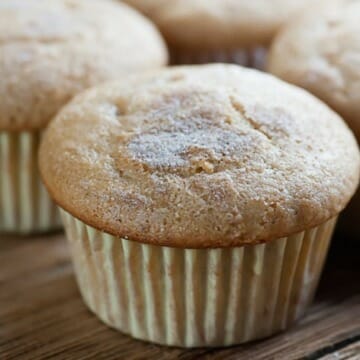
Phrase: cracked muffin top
x=323 y=55
x=51 y=50
x=196 y=157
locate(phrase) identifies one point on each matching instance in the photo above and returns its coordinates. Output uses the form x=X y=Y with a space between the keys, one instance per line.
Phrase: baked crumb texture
x=236 y=31
x=321 y=53
x=195 y=157
x=51 y=50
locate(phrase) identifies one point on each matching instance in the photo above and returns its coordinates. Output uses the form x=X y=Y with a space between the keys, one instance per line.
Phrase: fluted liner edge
x=25 y=206
x=254 y=57
x=197 y=297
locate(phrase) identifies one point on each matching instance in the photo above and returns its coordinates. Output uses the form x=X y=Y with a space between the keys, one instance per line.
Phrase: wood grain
x=43 y=317
x=351 y=352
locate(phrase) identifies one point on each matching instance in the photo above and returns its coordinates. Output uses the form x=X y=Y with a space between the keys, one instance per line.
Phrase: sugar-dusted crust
x=203 y=25
x=209 y=156
x=321 y=52
x=52 y=49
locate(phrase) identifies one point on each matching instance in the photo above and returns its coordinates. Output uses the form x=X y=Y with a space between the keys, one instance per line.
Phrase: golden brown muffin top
x=321 y=52
x=51 y=50
x=218 y=23
x=208 y=156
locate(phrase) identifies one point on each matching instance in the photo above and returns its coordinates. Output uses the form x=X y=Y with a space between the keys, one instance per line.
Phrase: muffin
x=199 y=201
x=235 y=31
x=321 y=53
x=49 y=51
x=323 y=56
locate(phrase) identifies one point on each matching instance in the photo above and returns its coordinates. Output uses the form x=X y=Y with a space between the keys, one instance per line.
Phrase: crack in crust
x=241 y=110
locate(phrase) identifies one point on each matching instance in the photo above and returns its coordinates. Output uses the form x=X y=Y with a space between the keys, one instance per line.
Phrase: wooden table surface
x=42 y=315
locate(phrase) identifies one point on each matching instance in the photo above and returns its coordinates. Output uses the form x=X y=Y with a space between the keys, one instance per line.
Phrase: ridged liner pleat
x=25 y=206
x=197 y=297
x=254 y=58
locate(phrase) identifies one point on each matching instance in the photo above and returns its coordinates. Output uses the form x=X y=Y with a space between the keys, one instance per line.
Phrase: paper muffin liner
x=25 y=206
x=254 y=57
x=201 y=297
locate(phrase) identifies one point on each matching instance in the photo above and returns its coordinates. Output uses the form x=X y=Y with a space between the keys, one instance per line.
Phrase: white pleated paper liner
x=254 y=57
x=25 y=206
x=193 y=298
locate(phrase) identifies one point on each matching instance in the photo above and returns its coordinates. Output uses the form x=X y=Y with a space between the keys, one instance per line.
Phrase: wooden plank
x=351 y=352
x=43 y=317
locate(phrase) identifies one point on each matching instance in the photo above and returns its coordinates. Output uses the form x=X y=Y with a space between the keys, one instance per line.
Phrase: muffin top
x=321 y=52
x=208 y=156
x=218 y=23
x=51 y=50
